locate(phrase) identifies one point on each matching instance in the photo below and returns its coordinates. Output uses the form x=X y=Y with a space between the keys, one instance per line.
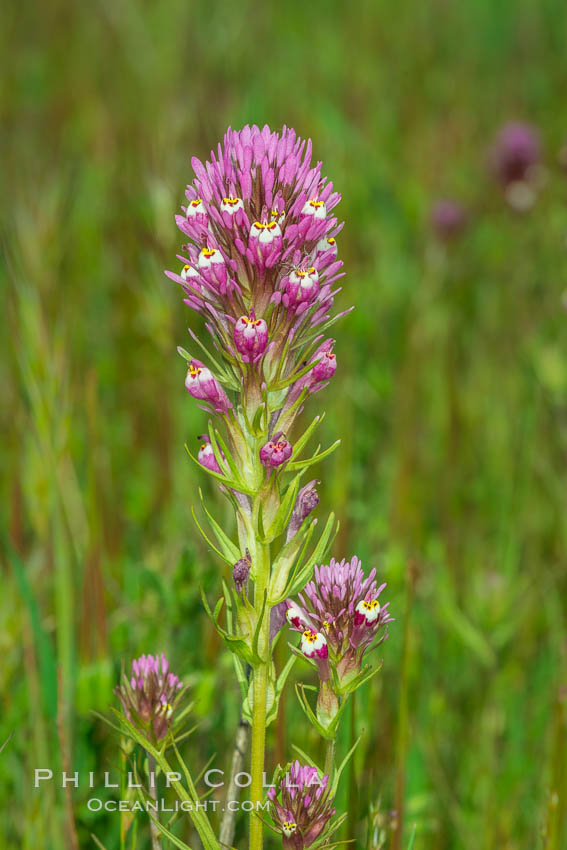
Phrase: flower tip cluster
x=448 y=219
x=516 y=164
x=302 y=805
x=148 y=696
x=339 y=614
x=261 y=236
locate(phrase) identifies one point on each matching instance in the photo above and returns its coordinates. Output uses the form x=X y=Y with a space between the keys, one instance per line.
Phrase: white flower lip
x=328 y=243
x=370 y=610
x=265 y=233
x=209 y=256
x=315 y=208
x=188 y=271
x=231 y=205
x=312 y=642
x=195 y=208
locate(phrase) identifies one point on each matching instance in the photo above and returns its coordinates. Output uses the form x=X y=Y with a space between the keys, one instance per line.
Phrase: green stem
x=330 y=748
x=154 y=829
x=260 y=691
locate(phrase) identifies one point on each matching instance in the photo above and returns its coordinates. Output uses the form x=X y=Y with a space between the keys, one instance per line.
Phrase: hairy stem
x=260 y=691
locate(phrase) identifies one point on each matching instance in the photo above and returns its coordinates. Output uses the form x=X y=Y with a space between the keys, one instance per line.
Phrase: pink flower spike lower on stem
x=342 y=603
x=302 y=806
x=149 y=696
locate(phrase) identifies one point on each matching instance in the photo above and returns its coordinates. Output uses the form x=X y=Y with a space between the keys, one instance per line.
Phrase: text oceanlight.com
x=95 y=804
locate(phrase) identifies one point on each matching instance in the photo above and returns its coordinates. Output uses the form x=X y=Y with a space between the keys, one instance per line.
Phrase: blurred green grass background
x=450 y=399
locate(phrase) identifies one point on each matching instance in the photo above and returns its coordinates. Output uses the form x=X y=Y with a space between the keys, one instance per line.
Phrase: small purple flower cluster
x=339 y=617
x=302 y=806
x=260 y=265
x=516 y=164
x=148 y=696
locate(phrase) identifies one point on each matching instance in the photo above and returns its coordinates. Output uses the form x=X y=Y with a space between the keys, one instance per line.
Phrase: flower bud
x=265 y=241
x=367 y=612
x=275 y=452
x=202 y=384
x=232 y=209
x=300 y=285
x=314 y=644
x=241 y=571
x=197 y=213
x=296 y=617
x=278 y=216
x=306 y=501
x=324 y=369
x=189 y=273
x=250 y=336
x=213 y=266
x=314 y=208
x=206 y=458
x=327 y=244
x=149 y=696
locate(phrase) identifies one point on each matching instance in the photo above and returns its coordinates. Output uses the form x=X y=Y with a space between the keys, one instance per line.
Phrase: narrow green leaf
x=305 y=464
x=229 y=548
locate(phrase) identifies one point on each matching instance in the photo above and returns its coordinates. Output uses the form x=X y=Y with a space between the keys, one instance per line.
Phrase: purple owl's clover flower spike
x=241 y=571
x=342 y=604
x=202 y=384
x=515 y=161
x=275 y=452
x=148 y=698
x=261 y=224
x=302 y=806
x=448 y=219
x=250 y=336
x=306 y=502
